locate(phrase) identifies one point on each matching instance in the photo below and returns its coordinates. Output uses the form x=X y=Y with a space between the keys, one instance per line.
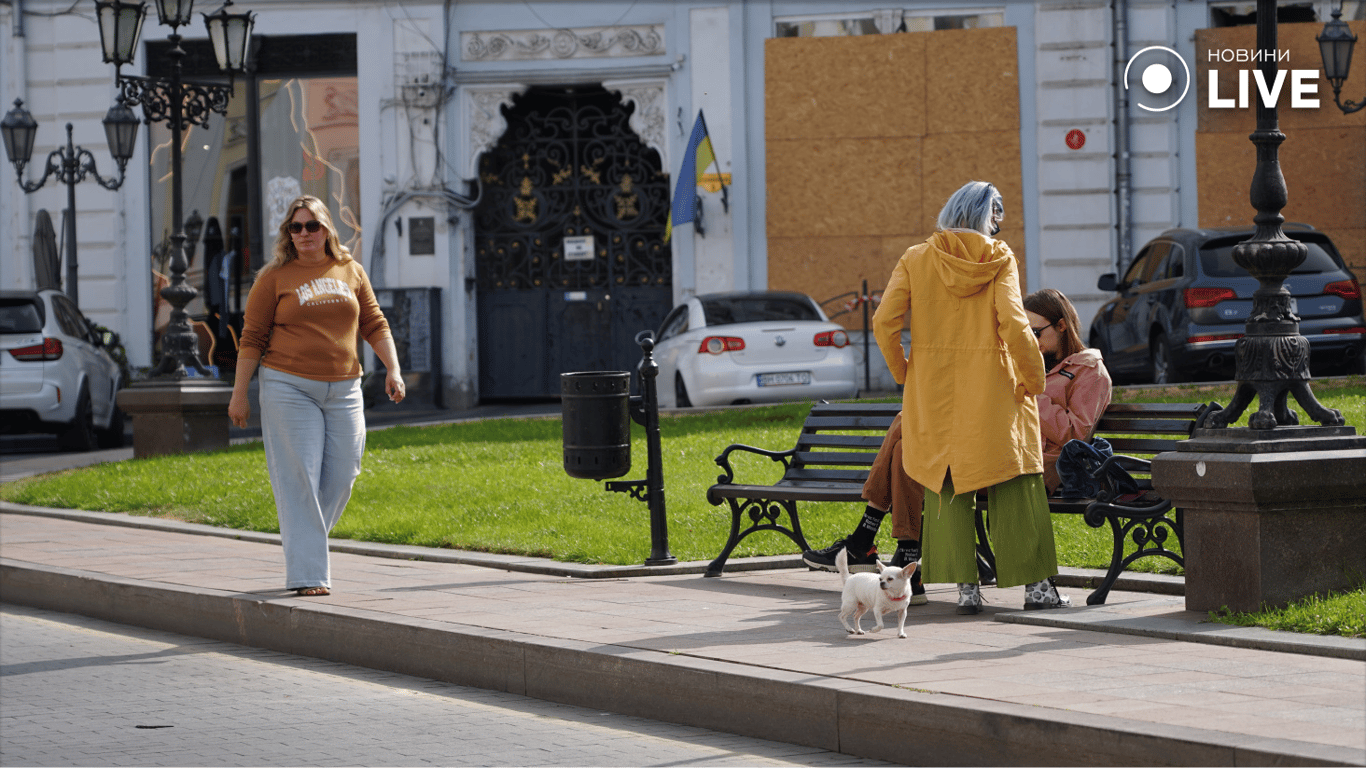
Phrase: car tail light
x=50 y=349
x=836 y=339
x=715 y=345
x=1207 y=297
x=1357 y=331
x=1347 y=289
x=1214 y=337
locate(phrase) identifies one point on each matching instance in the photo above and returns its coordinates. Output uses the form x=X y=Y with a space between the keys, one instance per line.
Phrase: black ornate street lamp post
x=69 y=165
x=1272 y=356
x=181 y=105
x=1274 y=512
x=1335 y=46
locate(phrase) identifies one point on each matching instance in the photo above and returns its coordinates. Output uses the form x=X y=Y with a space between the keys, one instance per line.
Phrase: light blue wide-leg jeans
x=314 y=433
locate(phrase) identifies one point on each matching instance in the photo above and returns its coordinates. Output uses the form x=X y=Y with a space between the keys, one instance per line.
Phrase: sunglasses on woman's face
x=295 y=227
x=1038 y=332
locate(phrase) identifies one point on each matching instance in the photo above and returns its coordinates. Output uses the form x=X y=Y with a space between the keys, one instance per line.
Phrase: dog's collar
x=894 y=599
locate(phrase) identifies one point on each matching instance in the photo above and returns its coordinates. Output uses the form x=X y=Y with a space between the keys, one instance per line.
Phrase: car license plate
x=782 y=379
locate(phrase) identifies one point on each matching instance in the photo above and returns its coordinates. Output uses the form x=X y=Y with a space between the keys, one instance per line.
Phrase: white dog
x=886 y=591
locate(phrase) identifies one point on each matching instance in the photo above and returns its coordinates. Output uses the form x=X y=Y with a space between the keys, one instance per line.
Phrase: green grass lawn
x=499 y=486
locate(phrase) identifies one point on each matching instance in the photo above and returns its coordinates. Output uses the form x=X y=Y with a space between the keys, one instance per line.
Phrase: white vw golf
x=751 y=347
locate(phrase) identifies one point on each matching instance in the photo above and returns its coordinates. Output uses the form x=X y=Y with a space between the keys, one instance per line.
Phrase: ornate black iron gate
x=570 y=255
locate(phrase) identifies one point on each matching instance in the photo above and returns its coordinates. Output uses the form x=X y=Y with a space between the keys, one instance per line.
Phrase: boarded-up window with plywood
x=868 y=135
x=1323 y=157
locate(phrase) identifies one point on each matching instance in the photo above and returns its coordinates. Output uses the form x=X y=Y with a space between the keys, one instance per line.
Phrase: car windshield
x=756 y=309
x=19 y=316
x=1218 y=261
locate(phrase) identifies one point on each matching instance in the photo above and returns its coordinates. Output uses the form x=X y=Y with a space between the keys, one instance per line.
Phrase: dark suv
x=1182 y=305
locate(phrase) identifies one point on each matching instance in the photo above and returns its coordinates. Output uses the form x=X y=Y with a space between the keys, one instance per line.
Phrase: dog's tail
x=842 y=563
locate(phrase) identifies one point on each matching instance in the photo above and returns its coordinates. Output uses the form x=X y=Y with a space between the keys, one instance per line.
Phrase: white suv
x=55 y=375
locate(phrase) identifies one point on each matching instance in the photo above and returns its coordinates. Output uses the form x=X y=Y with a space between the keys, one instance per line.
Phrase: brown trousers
x=889 y=487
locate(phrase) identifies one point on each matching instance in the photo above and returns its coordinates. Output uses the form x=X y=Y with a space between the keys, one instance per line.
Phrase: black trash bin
x=596 y=411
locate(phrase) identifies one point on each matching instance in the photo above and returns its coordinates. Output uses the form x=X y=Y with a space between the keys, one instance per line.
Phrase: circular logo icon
x=1156 y=74
x=1075 y=139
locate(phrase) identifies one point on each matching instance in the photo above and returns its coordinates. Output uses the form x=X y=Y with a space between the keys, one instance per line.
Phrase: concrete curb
x=853 y=717
x=1211 y=633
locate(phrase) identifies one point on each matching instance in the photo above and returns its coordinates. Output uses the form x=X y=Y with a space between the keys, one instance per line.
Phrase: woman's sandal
x=313 y=591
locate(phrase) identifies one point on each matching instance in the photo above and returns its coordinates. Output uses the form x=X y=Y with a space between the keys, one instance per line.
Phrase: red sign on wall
x=1076 y=139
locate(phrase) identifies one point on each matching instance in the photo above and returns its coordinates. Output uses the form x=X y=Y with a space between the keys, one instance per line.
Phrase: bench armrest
x=723 y=460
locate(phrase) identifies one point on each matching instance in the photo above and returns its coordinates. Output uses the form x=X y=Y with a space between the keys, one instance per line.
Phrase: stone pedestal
x=1270 y=515
x=177 y=416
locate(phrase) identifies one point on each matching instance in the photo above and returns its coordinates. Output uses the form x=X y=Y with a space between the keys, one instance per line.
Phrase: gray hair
x=971 y=207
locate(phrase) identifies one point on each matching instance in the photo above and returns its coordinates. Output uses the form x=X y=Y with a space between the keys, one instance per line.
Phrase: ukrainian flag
x=695 y=161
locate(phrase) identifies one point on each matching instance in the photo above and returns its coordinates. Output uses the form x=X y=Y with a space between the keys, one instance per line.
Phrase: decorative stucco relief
x=649 y=119
x=484 y=116
x=588 y=42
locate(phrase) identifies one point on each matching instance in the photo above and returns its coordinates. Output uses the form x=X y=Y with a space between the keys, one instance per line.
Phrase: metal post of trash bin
x=645 y=412
x=606 y=452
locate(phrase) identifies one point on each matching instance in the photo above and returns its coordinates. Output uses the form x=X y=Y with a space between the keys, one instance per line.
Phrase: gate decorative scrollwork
x=569 y=166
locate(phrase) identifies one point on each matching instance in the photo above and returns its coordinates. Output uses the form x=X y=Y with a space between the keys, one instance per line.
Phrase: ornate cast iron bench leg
x=1148 y=526
x=759 y=510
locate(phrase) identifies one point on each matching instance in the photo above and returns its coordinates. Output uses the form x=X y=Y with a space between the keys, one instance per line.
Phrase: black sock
x=912 y=546
x=861 y=540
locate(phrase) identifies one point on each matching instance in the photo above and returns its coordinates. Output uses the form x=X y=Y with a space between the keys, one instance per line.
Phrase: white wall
x=56 y=69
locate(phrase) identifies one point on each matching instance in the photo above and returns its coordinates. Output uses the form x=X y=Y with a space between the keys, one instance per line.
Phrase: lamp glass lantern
x=1335 y=46
x=121 y=130
x=230 y=34
x=174 y=13
x=120 y=26
x=19 y=130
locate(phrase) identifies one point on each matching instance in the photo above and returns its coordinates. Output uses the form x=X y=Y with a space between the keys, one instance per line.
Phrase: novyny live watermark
x=1157 y=79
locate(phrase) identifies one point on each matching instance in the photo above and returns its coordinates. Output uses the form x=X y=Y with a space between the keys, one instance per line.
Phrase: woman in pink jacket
x=1077 y=387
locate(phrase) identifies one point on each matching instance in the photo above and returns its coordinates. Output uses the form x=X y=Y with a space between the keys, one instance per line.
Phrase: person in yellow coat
x=969 y=417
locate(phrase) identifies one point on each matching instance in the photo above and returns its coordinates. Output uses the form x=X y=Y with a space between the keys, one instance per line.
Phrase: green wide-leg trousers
x=1021 y=534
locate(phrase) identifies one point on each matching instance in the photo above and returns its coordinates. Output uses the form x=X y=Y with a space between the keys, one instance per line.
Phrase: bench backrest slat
x=1132 y=445
x=875 y=423
x=835 y=458
x=856 y=409
x=843 y=476
x=833 y=440
x=1144 y=426
x=1177 y=410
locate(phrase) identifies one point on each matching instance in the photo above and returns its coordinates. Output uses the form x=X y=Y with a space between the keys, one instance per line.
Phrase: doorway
x=570 y=256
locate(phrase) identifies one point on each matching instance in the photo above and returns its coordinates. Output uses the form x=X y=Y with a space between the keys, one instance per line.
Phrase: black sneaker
x=904 y=557
x=824 y=559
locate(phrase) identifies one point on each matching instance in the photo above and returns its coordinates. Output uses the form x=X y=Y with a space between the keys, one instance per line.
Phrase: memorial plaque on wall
x=422 y=236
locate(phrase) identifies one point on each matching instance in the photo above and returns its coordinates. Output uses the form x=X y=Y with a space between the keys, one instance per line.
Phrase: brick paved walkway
x=753 y=651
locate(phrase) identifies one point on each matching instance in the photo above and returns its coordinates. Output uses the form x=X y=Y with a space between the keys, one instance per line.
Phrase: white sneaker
x=1043 y=594
x=969 y=599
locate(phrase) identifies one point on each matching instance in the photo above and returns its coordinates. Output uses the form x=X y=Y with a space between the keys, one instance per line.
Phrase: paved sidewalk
x=1139 y=681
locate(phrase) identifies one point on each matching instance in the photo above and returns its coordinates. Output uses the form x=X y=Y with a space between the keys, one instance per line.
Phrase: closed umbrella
x=47 y=266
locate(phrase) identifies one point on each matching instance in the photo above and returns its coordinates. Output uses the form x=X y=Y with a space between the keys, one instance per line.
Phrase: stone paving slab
x=755 y=652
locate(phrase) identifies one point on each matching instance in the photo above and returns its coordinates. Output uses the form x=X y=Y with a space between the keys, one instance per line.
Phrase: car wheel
x=681 y=392
x=1162 y=364
x=80 y=434
x=112 y=436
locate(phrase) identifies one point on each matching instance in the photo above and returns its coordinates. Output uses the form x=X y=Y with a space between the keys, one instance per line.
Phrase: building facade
x=504 y=170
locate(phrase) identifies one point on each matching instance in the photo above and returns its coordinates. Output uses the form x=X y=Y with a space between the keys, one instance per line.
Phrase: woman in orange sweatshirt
x=303 y=317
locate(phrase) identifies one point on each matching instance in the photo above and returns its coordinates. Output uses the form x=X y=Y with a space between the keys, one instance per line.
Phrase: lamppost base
x=177 y=416
x=1270 y=516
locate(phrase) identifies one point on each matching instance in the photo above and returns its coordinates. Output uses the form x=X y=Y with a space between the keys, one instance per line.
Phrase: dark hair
x=1052 y=306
